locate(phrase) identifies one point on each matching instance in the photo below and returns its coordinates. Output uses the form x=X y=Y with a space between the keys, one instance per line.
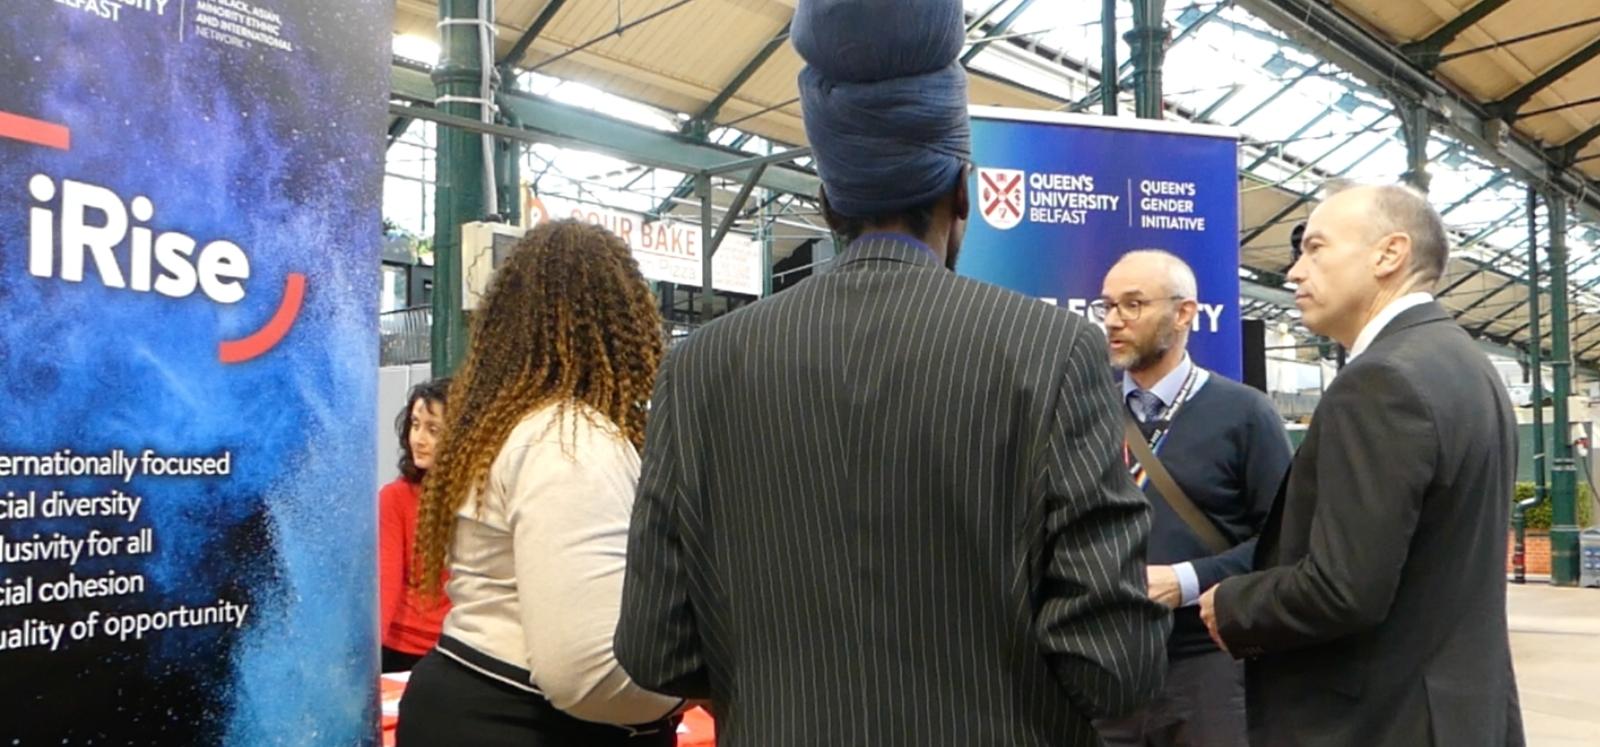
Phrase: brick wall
x=1536 y=548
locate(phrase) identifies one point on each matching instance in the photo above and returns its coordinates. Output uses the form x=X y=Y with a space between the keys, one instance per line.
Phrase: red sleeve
x=391 y=553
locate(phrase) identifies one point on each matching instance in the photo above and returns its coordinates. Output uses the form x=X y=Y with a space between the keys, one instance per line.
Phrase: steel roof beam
x=1585 y=333
x=1503 y=43
x=1485 y=297
x=1491 y=183
x=1266 y=154
x=686 y=184
x=1481 y=328
x=519 y=51
x=1283 y=89
x=397 y=129
x=1426 y=51
x=1304 y=198
x=547 y=121
x=1125 y=82
x=1479 y=269
x=1568 y=151
x=1322 y=31
x=1559 y=107
x=1508 y=106
x=751 y=67
x=995 y=31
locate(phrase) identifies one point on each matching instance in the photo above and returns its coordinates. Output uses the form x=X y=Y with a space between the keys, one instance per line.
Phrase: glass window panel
x=393 y=294
x=1009 y=64
x=402 y=203
x=1343 y=154
x=1385 y=165
x=407 y=159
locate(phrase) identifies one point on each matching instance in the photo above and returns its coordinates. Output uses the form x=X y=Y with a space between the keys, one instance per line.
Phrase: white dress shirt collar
x=1167 y=388
x=1395 y=308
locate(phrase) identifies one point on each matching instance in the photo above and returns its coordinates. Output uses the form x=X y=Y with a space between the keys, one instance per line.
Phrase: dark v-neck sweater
x=1228 y=450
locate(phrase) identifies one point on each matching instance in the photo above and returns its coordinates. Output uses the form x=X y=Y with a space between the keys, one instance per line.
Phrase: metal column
x=1519 y=557
x=765 y=223
x=460 y=196
x=1563 y=473
x=508 y=172
x=1108 y=57
x=708 y=293
x=1415 y=126
x=1148 y=45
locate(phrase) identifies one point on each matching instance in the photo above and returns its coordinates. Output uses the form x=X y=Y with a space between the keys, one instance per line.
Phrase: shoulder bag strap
x=1168 y=488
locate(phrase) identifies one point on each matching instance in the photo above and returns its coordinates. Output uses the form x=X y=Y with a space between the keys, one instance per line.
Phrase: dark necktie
x=1145 y=405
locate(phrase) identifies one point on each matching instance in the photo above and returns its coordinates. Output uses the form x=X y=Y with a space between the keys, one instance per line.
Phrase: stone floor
x=1555 y=639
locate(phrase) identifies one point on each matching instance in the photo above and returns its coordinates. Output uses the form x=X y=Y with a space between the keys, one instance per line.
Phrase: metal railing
x=403 y=336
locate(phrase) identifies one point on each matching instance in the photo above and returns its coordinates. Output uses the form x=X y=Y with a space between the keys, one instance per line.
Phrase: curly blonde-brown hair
x=568 y=320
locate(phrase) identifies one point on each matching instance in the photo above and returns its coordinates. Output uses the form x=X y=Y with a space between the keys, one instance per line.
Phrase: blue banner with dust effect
x=189 y=226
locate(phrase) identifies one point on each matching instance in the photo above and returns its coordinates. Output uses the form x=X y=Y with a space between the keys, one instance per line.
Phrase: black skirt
x=398 y=661
x=446 y=703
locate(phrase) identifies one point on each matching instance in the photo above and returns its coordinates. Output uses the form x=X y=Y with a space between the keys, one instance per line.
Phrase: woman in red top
x=409 y=622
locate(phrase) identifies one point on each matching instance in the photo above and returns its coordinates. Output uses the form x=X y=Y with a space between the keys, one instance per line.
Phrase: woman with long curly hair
x=528 y=504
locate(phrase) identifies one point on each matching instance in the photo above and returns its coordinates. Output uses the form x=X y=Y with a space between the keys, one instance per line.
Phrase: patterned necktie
x=1145 y=405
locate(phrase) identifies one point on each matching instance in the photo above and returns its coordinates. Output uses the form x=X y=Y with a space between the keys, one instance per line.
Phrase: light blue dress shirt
x=1167 y=390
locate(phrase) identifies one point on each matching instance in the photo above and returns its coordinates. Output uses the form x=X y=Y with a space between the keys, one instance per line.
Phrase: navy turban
x=885 y=100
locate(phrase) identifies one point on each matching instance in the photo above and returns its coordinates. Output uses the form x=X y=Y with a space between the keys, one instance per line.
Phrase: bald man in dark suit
x=1377 y=614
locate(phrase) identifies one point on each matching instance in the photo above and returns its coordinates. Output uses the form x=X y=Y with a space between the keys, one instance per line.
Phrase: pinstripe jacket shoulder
x=889 y=507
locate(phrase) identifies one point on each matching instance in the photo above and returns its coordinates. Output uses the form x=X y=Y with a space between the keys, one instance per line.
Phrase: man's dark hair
x=433 y=392
x=919 y=218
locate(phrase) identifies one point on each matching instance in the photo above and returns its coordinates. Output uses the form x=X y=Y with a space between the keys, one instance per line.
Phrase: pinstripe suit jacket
x=888 y=507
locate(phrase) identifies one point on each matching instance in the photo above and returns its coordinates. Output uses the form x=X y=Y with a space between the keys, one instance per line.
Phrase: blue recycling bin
x=1589 y=557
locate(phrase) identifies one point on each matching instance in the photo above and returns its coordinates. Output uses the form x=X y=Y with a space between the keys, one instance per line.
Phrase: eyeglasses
x=1129 y=310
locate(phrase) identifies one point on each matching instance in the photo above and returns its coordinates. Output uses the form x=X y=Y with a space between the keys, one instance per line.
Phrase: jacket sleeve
x=658 y=640
x=1376 y=453
x=1104 y=638
x=1263 y=461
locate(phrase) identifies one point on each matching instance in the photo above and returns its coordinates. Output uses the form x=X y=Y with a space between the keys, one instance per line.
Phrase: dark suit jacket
x=1378 y=615
x=888 y=506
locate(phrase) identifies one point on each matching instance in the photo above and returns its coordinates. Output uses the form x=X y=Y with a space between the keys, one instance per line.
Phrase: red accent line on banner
x=34 y=131
x=246 y=348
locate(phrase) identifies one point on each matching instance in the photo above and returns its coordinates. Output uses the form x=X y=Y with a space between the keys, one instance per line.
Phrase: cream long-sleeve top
x=537 y=564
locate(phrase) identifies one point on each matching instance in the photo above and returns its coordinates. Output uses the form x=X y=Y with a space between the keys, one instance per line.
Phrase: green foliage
x=1539 y=516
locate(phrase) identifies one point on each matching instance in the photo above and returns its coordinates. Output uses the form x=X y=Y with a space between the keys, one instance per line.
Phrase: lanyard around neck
x=1169 y=412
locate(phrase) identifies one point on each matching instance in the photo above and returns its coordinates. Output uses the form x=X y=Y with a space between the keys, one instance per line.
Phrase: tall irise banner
x=1057 y=199
x=189 y=225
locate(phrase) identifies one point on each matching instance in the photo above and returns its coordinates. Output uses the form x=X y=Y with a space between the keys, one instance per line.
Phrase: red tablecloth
x=390 y=688
x=697 y=729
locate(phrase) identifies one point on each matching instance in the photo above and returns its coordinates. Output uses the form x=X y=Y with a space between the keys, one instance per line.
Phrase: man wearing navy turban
x=885 y=104
x=888 y=506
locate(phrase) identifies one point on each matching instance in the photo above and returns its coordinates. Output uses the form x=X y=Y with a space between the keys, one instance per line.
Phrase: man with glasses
x=1224 y=452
